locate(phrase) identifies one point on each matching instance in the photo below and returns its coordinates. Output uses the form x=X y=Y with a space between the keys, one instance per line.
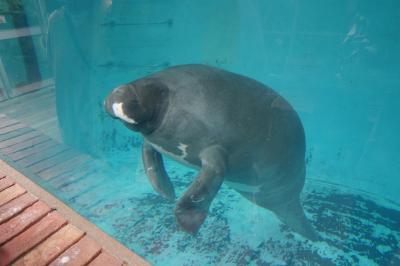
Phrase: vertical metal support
x=4 y=80
x=3 y=95
x=44 y=25
x=43 y=15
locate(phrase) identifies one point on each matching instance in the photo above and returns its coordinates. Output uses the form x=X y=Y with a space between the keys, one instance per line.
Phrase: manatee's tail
x=293 y=216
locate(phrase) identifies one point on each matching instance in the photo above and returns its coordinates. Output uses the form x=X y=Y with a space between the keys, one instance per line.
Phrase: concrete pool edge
x=109 y=244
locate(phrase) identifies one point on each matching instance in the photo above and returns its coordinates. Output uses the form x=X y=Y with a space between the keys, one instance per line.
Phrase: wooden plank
x=106 y=259
x=38 y=114
x=2 y=89
x=6 y=183
x=4 y=118
x=25 y=100
x=42 y=158
x=36 y=109
x=73 y=176
x=52 y=130
x=33 y=150
x=10 y=142
x=22 y=221
x=64 y=167
x=36 y=117
x=17 y=205
x=11 y=128
x=52 y=247
x=50 y=162
x=26 y=144
x=21 y=108
x=87 y=185
x=6 y=122
x=35 y=97
x=84 y=194
x=21 y=32
x=50 y=121
x=11 y=193
x=15 y=133
x=28 y=239
x=33 y=86
x=80 y=254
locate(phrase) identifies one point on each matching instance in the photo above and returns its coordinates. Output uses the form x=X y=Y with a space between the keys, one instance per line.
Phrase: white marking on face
x=183 y=148
x=119 y=112
x=244 y=187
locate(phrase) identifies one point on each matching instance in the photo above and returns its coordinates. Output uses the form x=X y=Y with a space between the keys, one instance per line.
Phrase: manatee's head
x=140 y=105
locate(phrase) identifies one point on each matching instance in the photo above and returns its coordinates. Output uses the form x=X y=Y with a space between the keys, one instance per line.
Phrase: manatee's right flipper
x=192 y=208
x=293 y=215
x=154 y=168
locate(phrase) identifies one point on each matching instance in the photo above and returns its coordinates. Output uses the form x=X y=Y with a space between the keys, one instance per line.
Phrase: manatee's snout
x=114 y=97
x=108 y=106
x=120 y=104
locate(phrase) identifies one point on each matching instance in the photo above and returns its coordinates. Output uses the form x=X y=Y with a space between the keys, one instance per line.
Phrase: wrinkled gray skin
x=230 y=127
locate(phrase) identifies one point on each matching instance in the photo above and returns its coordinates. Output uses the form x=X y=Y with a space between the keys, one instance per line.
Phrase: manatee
x=231 y=128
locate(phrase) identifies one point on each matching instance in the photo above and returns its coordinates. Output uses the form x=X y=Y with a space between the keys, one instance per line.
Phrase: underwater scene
x=242 y=132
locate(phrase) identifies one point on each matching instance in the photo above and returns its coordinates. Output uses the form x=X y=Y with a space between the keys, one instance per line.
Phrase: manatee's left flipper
x=154 y=168
x=192 y=208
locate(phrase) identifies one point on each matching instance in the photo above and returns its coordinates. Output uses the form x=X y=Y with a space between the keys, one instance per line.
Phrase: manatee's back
x=234 y=110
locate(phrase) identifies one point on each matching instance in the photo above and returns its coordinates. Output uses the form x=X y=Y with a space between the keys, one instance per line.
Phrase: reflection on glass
x=336 y=62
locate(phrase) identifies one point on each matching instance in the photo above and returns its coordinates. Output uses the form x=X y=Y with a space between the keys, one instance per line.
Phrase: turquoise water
x=337 y=62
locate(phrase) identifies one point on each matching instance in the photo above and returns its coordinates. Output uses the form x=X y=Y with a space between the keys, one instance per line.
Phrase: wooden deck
x=36 y=109
x=37 y=229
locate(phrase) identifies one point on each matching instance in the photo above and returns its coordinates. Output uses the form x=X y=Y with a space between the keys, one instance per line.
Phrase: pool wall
x=337 y=62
